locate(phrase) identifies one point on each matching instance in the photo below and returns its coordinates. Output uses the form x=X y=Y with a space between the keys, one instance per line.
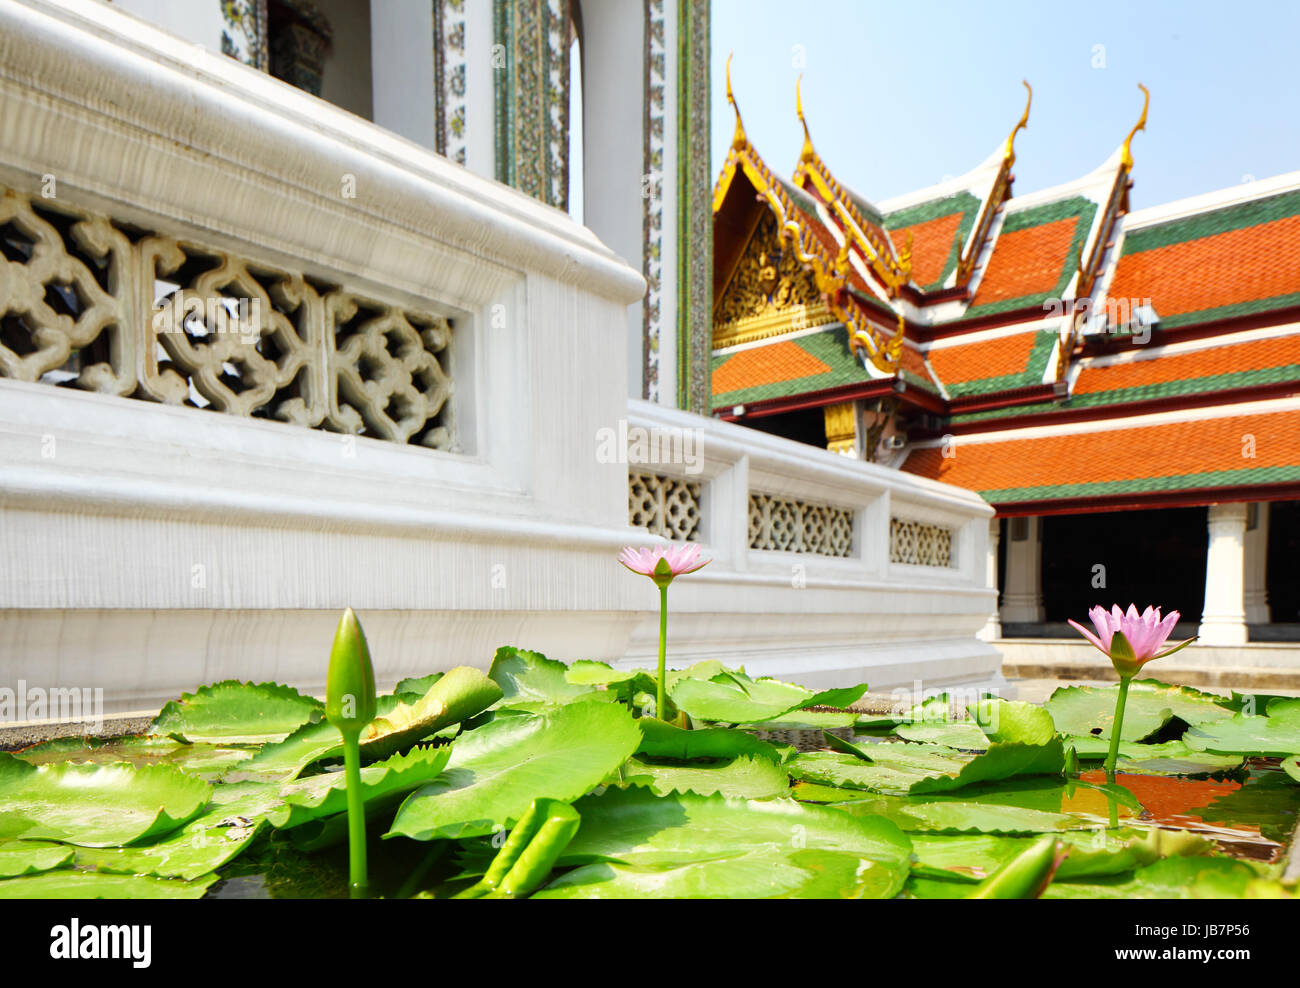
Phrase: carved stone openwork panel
x=919 y=544
x=106 y=307
x=664 y=505
x=787 y=525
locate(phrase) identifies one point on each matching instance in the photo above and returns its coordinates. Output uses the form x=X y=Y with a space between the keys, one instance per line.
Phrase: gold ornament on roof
x=738 y=140
x=807 y=154
x=1125 y=155
x=1010 y=153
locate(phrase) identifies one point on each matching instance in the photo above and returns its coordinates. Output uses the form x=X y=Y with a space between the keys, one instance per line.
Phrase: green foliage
x=239 y=780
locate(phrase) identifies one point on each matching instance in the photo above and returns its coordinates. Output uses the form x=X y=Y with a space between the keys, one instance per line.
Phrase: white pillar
x=613 y=105
x=1022 y=603
x=1257 y=611
x=1223 y=620
x=402 y=70
x=993 y=629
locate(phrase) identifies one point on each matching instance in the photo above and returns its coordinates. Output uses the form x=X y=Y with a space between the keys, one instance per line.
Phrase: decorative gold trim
x=884 y=357
x=841 y=427
x=771 y=324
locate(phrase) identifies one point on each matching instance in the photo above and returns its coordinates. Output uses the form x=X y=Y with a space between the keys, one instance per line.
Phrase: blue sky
x=900 y=95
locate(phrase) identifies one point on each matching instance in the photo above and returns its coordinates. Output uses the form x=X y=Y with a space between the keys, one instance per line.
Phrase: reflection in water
x=1253 y=818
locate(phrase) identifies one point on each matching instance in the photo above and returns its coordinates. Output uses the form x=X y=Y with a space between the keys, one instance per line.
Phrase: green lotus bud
x=1026 y=875
x=350 y=689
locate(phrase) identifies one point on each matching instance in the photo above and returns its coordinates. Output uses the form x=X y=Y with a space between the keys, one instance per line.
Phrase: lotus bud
x=350 y=688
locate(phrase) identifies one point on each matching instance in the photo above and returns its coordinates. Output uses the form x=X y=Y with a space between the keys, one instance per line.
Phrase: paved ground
x=1038 y=690
x=13 y=738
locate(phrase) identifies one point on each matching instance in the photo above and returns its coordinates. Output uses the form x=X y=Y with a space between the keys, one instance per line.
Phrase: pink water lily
x=663 y=562
x=1141 y=635
x=1130 y=640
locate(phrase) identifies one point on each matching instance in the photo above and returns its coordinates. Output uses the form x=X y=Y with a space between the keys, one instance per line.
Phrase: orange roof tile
x=1026 y=262
x=1244 y=265
x=931 y=245
x=1142 y=454
x=766 y=365
x=988 y=358
x=1226 y=359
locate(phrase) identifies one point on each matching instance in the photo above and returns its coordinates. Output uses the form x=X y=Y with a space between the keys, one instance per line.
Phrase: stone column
x=1022 y=603
x=993 y=629
x=1223 y=619
x=1257 y=611
x=402 y=70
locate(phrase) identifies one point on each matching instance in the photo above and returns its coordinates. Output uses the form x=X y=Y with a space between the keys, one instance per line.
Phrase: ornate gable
x=769 y=293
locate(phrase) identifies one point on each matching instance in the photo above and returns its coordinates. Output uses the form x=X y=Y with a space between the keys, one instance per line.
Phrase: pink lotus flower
x=1131 y=639
x=663 y=563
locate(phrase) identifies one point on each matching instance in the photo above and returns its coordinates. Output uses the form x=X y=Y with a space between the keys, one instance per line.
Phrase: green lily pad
x=587 y=672
x=750 y=776
x=732 y=697
x=417 y=685
x=221 y=833
x=661 y=740
x=635 y=844
x=1163 y=758
x=524 y=675
x=231 y=712
x=1151 y=704
x=964 y=735
x=903 y=767
x=22 y=857
x=95 y=805
x=1169 y=878
x=1020 y=805
x=1091 y=855
x=1275 y=734
x=69 y=883
x=497 y=770
x=452 y=698
x=1014 y=721
x=202 y=759
x=1291 y=766
x=766 y=873
x=326 y=795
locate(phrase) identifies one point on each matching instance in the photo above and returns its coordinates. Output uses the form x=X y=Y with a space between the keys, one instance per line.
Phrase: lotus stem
x=358 y=883
x=1117 y=725
x=661 y=706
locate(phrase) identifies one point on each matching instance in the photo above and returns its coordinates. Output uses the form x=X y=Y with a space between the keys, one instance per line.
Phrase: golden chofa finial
x=1125 y=155
x=1010 y=153
x=739 y=140
x=808 y=153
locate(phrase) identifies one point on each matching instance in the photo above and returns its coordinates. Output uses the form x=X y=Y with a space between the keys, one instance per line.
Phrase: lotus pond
x=546 y=780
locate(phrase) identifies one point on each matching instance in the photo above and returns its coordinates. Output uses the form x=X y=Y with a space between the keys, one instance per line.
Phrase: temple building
x=1122 y=386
